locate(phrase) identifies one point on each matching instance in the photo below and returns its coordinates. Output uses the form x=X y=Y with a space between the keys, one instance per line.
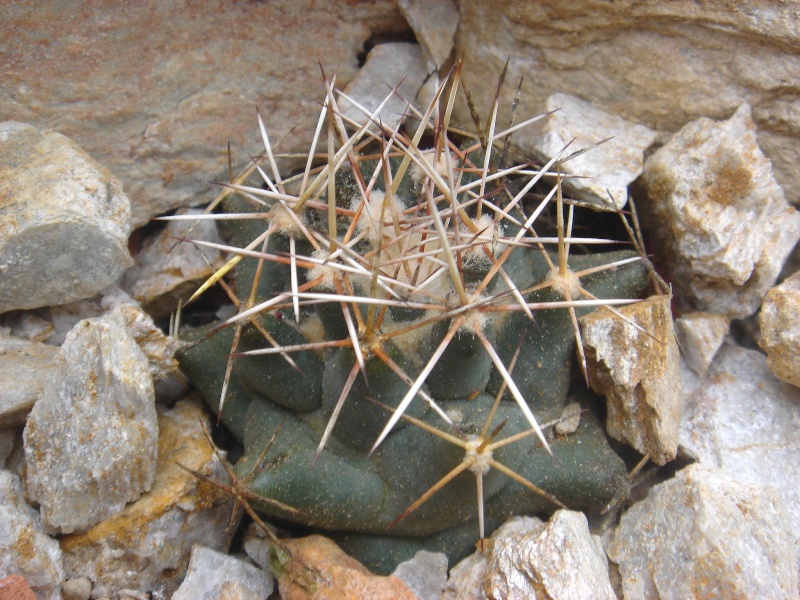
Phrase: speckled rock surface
x=779 y=320
x=26 y=369
x=700 y=336
x=216 y=576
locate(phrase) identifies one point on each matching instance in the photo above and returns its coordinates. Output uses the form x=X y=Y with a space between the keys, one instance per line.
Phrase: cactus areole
x=398 y=313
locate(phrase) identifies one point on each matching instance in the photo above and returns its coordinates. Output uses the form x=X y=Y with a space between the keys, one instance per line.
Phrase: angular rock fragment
x=91 y=439
x=700 y=335
x=386 y=66
x=434 y=23
x=316 y=562
x=166 y=271
x=24 y=547
x=743 y=420
x=634 y=363
x=704 y=535
x=148 y=544
x=64 y=220
x=26 y=369
x=780 y=329
x=216 y=576
x=608 y=168
x=527 y=558
x=721 y=222
x=425 y=574
x=158 y=348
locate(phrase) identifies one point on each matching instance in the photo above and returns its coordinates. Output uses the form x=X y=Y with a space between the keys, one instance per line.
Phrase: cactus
x=401 y=320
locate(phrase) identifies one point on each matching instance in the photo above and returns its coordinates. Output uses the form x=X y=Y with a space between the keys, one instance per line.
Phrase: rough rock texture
x=425 y=574
x=608 y=168
x=166 y=271
x=386 y=66
x=91 y=439
x=661 y=64
x=315 y=567
x=704 y=535
x=720 y=219
x=155 y=90
x=434 y=23
x=216 y=576
x=15 y=587
x=527 y=558
x=700 y=335
x=158 y=348
x=26 y=369
x=147 y=546
x=24 y=548
x=780 y=329
x=743 y=420
x=64 y=220
x=638 y=371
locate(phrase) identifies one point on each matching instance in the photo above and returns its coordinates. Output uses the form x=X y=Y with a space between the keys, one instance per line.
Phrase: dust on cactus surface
x=406 y=311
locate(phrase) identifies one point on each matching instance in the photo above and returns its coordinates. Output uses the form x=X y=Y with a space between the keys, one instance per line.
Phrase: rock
x=741 y=419
x=434 y=24
x=661 y=65
x=571 y=415
x=702 y=535
x=158 y=348
x=90 y=440
x=147 y=545
x=166 y=271
x=26 y=369
x=719 y=218
x=257 y=546
x=425 y=574
x=527 y=558
x=316 y=563
x=608 y=168
x=64 y=220
x=387 y=65
x=638 y=371
x=163 y=89
x=32 y=327
x=216 y=576
x=15 y=587
x=24 y=548
x=77 y=588
x=780 y=329
x=700 y=335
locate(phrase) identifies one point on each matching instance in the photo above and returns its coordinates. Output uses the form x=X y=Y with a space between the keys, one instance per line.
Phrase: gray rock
x=702 y=535
x=216 y=576
x=780 y=329
x=656 y=63
x=425 y=574
x=158 y=348
x=721 y=221
x=743 y=420
x=91 y=439
x=78 y=588
x=167 y=271
x=26 y=369
x=64 y=220
x=608 y=168
x=387 y=65
x=638 y=371
x=530 y=559
x=700 y=335
x=24 y=547
x=148 y=544
x=434 y=23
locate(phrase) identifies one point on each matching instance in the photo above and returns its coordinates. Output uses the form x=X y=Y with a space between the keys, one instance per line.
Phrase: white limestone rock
x=743 y=420
x=147 y=545
x=24 y=547
x=26 y=369
x=635 y=365
x=425 y=574
x=608 y=168
x=719 y=218
x=434 y=23
x=216 y=576
x=702 y=535
x=64 y=220
x=780 y=329
x=91 y=439
x=700 y=335
x=387 y=65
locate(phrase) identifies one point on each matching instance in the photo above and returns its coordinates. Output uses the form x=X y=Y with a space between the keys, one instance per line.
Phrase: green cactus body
x=358 y=495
